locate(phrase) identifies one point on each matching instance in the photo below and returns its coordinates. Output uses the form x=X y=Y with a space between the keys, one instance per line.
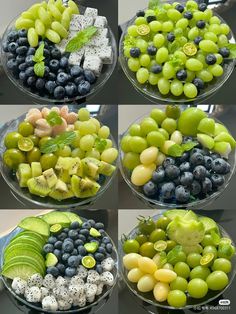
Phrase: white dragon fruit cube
x=94 y=64
x=106 y=55
x=102 y=32
x=99 y=41
x=77 y=22
x=76 y=57
x=62 y=45
x=88 y=21
x=91 y=12
x=100 y=21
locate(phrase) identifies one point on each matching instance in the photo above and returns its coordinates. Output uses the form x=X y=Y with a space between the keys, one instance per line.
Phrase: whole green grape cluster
x=177 y=48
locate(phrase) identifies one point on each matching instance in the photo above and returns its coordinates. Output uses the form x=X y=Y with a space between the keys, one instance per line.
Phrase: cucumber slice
x=22 y=259
x=209 y=224
x=35 y=224
x=55 y=217
x=73 y=217
x=172 y=213
x=22 y=270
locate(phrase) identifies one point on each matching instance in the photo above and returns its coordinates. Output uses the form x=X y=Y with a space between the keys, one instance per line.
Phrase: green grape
x=86 y=127
x=33 y=155
x=33 y=37
x=78 y=152
x=93 y=153
x=55 y=12
x=148 y=125
x=34 y=10
x=44 y=16
x=205 y=75
x=182 y=23
x=208 y=46
x=127 y=52
x=163 y=222
x=96 y=123
x=60 y=6
x=163 y=86
x=200 y=57
x=217 y=280
x=198 y=15
x=109 y=143
x=193 y=259
x=193 y=64
x=193 y=33
x=158 y=115
x=182 y=41
x=214 y=20
x=210 y=249
x=125 y=143
x=190 y=90
x=176 y=298
x=73 y=6
x=200 y=272
x=66 y=18
x=134 y=64
x=140 y=20
x=207 y=240
x=137 y=144
x=176 y=88
x=131 y=160
x=167 y=6
x=135 y=130
x=224 y=28
x=168 y=71
x=197 y=288
x=222 y=41
x=167 y=26
x=149 y=12
x=211 y=36
x=190 y=5
x=181 y=55
x=190 y=76
x=178 y=32
x=22 y=23
x=207 y=14
x=109 y=155
x=156 y=139
x=53 y=36
x=144 y=60
x=222 y=264
x=155 y=26
x=60 y=29
x=48 y=161
x=87 y=142
x=153 y=78
x=142 y=75
x=215 y=28
x=27 y=15
x=216 y=69
x=132 y=30
x=162 y=55
x=174 y=15
x=39 y=27
x=182 y=269
x=179 y=284
x=158 y=40
x=84 y=115
x=169 y=125
x=104 y=132
x=142 y=45
x=64 y=152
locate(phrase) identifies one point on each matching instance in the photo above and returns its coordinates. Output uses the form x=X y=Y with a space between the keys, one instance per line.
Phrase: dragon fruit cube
x=91 y=12
x=94 y=64
x=88 y=21
x=106 y=55
x=76 y=57
x=76 y=23
x=100 y=21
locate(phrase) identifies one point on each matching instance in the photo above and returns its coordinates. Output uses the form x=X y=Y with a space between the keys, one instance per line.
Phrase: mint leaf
x=175 y=150
x=153 y=4
x=100 y=144
x=173 y=254
x=38 y=56
x=232 y=48
x=39 y=69
x=81 y=38
x=54 y=118
x=188 y=146
x=61 y=140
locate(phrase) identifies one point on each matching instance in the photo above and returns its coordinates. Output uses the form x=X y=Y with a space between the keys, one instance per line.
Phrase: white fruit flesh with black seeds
x=49 y=303
x=35 y=280
x=19 y=285
x=107 y=278
x=49 y=281
x=33 y=294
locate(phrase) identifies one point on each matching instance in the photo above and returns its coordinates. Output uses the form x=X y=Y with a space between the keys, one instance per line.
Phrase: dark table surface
x=109 y=218
x=128 y=302
x=226 y=200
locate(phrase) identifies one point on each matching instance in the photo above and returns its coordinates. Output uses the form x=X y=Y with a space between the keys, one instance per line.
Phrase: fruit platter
x=59 y=262
x=177 y=52
x=59 y=52
x=177 y=158
x=177 y=259
x=56 y=157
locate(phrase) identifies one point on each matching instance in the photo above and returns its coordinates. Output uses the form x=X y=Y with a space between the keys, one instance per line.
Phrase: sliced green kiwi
x=59 y=195
x=106 y=169
x=90 y=168
x=50 y=177
x=84 y=187
x=64 y=176
x=38 y=186
x=23 y=174
x=72 y=164
x=35 y=224
x=36 y=169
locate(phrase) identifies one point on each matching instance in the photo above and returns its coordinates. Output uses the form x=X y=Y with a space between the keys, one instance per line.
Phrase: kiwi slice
x=60 y=195
x=61 y=186
x=106 y=169
x=50 y=177
x=64 y=176
x=38 y=186
x=84 y=187
x=36 y=169
x=20 y=269
x=56 y=217
x=90 y=168
x=35 y=224
x=68 y=163
x=23 y=174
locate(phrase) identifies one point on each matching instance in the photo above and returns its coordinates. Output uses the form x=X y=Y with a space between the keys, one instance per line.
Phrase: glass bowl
x=149 y=299
x=46 y=202
x=198 y=203
x=90 y=308
x=107 y=71
x=151 y=92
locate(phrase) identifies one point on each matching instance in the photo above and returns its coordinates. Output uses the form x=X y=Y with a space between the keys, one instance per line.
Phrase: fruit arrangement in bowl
x=59 y=52
x=177 y=52
x=59 y=262
x=174 y=157
x=57 y=157
x=178 y=259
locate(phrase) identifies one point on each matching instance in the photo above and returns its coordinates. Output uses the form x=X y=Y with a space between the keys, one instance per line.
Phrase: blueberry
x=183 y=158
x=176 y=181
x=172 y=172
x=199 y=173
x=168 y=190
x=106 y=240
x=31 y=80
x=12 y=65
x=78 y=79
x=82 y=237
x=66 y=230
x=22 y=33
x=215 y=155
x=12 y=36
x=54 y=65
x=198 y=83
x=201 y=24
x=23 y=42
x=208 y=162
x=20 y=60
x=86 y=225
x=195 y=188
x=67 y=247
x=10 y=56
x=135 y=52
x=12 y=47
x=69 y=239
x=197 y=150
x=217 y=180
x=55 y=53
x=186 y=178
x=101 y=250
x=220 y=166
x=171 y=37
x=76 y=71
x=50 y=86
x=62 y=236
x=57 y=253
x=51 y=76
x=5 y=46
x=65 y=257
x=202 y=6
x=61 y=268
x=74 y=252
x=74 y=225
x=22 y=76
x=48 y=248
x=23 y=66
x=158 y=176
x=73 y=234
x=70 y=271
x=59 y=92
x=84 y=232
x=63 y=62
x=52 y=270
x=188 y=15
x=98 y=225
x=22 y=50
x=70 y=89
x=206 y=186
x=109 y=247
x=181 y=75
x=197 y=40
x=140 y=13
x=168 y=161
x=152 y=50
x=179 y=7
x=151 y=18
x=150 y=189
x=52 y=240
x=84 y=88
x=40 y=83
x=99 y=256
x=196 y=159
x=58 y=245
x=46 y=53
x=225 y=52
x=29 y=60
x=182 y=194
x=73 y=261
x=210 y=59
x=99 y=269
x=62 y=78
x=31 y=51
x=156 y=68
x=81 y=250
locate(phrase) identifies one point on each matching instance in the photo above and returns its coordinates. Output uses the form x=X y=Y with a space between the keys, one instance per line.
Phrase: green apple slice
x=207 y=126
x=225 y=137
x=222 y=148
x=206 y=140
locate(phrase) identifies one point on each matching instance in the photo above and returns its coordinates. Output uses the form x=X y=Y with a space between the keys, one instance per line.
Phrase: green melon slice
x=22 y=259
x=35 y=224
x=31 y=234
x=23 y=252
x=22 y=270
x=16 y=246
x=56 y=217
x=73 y=217
x=25 y=239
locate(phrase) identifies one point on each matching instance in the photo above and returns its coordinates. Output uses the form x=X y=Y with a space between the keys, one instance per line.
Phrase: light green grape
x=22 y=23
x=169 y=125
x=87 y=142
x=217 y=280
x=34 y=10
x=193 y=259
x=140 y=20
x=181 y=55
x=208 y=46
x=182 y=269
x=211 y=36
x=167 y=26
x=207 y=14
x=197 y=288
x=222 y=41
x=156 y=139
x=174 y=14
x=219 y=58
x=176 y=87
x=137 y=144
x=109 y=155
x=168 y=71
x=33 y=37
x=162 y=55
x=142 y=75
x=222 y=264
x=73 y=6
x=27 y=15
x=44 y=16
x=198 y=15
x=194 y=32
x=182 y=40
x=86 y=127
x=214 y=20
x=147 y=125
x=215 y=28
x=131 y=160
x=78 y=152
x=60 y=6
x=163 y=86
x=153 y=78
x=104 y=132
x=216 y=70
x=190 y=90
x=155 y=26
x=55 y=12
x=158 y=115
x=125 y=143
x=190 y=76
x=179 y=284
x=84 y=115
x=200 y=272
x=176 y=298
x=135 y=130
x=142 y=45
x=39 y=27
x=224 y=28
x=205 y=75
x=182 y=23
x=158 y=40
x=144 y=60
x=193 y=64
x=132 y=30
x=134 y=64
x=53 y=36
x=60 y=29
x=93 y=153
